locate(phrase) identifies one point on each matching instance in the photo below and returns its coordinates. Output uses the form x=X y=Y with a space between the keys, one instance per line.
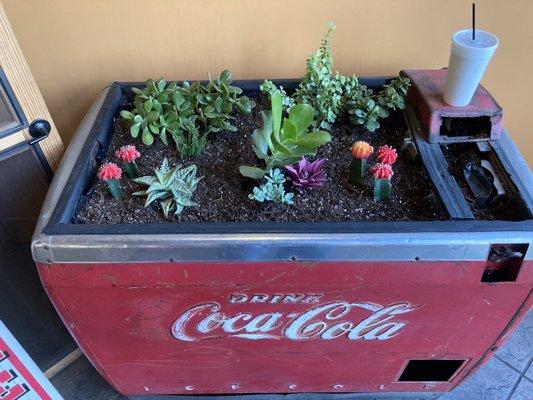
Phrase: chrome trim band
x=449 y=246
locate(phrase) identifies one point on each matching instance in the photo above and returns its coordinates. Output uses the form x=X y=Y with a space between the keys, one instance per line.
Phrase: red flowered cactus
x=382 y=186
x=109 y=171
x=386 y=155
x=111 y=174
x=382 y=171
x=361 y=150
x=128 y=153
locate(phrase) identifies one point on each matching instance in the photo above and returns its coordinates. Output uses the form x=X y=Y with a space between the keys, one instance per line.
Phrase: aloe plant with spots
x=172 y=187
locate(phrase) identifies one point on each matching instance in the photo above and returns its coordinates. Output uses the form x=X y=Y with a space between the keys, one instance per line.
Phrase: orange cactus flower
x=361 y=150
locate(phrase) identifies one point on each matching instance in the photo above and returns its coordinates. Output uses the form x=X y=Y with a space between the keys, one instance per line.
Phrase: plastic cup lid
x=483 y=46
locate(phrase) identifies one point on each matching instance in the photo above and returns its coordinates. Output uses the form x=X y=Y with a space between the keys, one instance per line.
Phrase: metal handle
x=39 y=130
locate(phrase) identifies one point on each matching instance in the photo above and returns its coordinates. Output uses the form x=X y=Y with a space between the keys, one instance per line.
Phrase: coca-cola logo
x=327 y=321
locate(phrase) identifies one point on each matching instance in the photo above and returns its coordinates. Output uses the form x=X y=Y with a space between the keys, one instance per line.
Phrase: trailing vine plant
x=332 y=95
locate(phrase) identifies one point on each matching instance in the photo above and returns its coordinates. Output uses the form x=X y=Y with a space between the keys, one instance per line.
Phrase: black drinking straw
x=473 y=21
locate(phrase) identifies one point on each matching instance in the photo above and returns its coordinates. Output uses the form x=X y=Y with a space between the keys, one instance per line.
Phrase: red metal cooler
x=280 y=308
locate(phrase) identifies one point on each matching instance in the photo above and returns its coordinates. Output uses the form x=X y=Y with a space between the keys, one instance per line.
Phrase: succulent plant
x=111 y=173
x=215 y=101
x=269 y=88
x=391 y=97
x=367 y=112
x=360 y=152
x=191 y=143
x=382 y=181
x=272 y=189
x=319 y=88
x=280 y=143
x=386 y=155
x=128 y=154
x=150 y=103
x=182 y=111
x=307 y=175
x=332 y=95
x=173 y=188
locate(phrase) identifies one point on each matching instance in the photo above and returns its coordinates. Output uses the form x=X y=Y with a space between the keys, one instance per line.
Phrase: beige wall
x=75 y=47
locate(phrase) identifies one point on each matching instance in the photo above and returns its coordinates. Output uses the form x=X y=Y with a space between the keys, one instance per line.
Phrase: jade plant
x=392 y=96
x=173 y=188
x=332 y=95
x=307 y=175
x=382 y=181
x=128 y=154
x=360 y=152
x=367 y=109
x=319 y=87
x=186 y=113
x=283 y=141
x=366 y=112
x=272 y=189
x=111 y=173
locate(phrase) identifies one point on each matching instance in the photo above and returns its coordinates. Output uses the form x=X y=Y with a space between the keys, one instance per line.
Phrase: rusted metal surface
x=281 y=327
x=425 y=95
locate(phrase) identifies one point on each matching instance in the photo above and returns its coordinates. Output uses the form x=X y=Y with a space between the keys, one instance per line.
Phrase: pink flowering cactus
x=128 y=154
x=386 y=155
x=109 y=171
x=382 y=185
x=382 y=171
x=111 y=174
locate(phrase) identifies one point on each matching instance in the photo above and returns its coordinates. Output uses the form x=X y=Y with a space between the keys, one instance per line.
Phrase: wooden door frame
x=28 y=95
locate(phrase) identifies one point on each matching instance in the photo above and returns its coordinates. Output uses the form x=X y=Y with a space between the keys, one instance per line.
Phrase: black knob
x=39 y=129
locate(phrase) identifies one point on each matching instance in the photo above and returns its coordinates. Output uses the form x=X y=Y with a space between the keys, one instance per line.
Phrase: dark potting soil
x=458 y=155
x=222 y=195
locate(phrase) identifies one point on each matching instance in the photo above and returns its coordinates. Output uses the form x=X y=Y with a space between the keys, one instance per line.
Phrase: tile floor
x=507 y=376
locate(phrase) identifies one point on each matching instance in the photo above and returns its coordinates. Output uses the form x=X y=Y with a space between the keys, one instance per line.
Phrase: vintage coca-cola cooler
x=289 y=307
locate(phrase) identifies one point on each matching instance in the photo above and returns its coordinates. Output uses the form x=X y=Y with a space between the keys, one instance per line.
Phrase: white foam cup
x=468 y=61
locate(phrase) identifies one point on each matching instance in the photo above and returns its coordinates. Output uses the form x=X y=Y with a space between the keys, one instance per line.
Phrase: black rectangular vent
x=430 y=370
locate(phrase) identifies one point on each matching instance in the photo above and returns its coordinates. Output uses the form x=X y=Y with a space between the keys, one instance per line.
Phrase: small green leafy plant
x=173 y=188
x=186 y=113
x=392 y=96
x=367 y=109
x=283 y=141
x=272 y=189
x=367 y=112
x=333 y=95
x=319 y=87
x=269 y=88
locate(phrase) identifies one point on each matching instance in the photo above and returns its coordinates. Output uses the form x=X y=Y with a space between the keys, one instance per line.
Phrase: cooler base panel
x=284 y=327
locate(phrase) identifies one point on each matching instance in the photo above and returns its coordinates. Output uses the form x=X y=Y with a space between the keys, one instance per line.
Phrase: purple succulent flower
x=307 y=175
